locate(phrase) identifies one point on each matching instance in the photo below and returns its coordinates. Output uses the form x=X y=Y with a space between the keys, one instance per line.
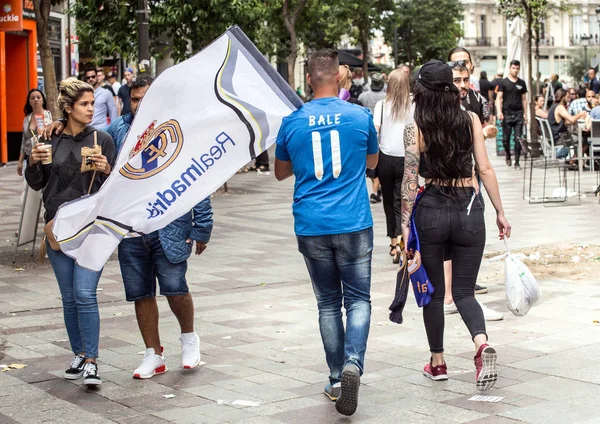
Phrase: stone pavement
x=257 y=319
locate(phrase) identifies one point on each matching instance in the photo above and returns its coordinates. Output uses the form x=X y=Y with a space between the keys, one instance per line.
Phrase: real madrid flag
x=199 y=122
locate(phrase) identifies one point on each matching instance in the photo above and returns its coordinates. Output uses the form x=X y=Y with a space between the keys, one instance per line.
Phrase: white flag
x=199 y=122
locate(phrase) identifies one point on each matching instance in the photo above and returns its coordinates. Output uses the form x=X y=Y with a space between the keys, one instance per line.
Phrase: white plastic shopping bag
x=522 y=289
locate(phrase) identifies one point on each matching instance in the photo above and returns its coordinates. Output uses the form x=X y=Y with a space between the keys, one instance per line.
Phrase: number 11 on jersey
x=336 y=155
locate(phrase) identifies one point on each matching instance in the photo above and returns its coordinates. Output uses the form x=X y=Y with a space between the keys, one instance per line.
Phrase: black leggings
x=442 y=220
x=390 y=171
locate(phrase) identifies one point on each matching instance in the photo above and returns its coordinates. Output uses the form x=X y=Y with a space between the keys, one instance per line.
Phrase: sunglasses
x=458 y=63
x=89 y=77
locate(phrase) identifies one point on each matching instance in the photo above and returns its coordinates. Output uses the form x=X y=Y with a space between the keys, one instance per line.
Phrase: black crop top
x=466 y=168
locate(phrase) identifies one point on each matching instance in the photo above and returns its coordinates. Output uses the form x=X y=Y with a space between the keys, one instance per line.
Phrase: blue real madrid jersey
x=328 y=140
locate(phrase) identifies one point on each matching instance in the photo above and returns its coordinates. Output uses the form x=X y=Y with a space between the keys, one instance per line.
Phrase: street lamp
x=585 y=42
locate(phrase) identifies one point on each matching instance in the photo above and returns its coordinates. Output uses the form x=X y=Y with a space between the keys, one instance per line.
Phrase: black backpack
x=356 y=90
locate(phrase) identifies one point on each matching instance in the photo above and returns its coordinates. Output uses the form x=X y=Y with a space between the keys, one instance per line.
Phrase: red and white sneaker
x=438 y=373
x=152 y=364
x=485 y=365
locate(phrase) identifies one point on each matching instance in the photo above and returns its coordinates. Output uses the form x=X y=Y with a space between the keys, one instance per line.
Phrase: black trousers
x=512 y=123
x=390 y=170
x=442 y=221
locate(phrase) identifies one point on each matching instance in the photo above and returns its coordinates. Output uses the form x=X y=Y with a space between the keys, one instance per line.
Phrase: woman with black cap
x=446 y=147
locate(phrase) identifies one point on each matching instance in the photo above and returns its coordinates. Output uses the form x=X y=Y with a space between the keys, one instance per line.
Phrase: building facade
x=485 y=35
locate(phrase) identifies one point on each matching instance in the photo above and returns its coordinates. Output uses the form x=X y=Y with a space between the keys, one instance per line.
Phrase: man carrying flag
x=333 y=221
x=160 y=255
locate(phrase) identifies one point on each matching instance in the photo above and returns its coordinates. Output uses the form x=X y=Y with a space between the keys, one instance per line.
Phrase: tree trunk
x=364 y=42
x=290 y=24
x=42 y=15
x=291 y=59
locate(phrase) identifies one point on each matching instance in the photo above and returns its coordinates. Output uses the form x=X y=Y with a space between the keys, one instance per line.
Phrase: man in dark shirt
x=485 y=87
x=124 y=92
x=512 y=110
x=594 y=83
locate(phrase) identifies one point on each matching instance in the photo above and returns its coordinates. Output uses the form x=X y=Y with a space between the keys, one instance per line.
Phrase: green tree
x=426 y=29
x=577 y=67
x=110 y=28
x=365 y=17
x=191 y=25
x=107 y=29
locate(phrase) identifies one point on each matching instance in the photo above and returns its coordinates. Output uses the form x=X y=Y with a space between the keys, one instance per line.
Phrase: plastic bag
x=522 y=289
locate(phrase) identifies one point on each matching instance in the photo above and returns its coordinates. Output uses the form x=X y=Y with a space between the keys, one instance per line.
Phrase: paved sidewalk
x=257 y=319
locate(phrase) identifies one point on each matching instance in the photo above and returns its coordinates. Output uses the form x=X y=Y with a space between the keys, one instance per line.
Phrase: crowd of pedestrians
x=387 y=128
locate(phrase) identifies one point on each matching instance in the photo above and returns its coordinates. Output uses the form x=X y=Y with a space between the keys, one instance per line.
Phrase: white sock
x=188 y=337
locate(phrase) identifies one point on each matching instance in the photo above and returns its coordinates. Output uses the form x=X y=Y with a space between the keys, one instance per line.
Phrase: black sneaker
x=480 y=289
x=517 y=167
x=509 y=162
x=75 y=371
x=373 y=198
x=348 y=400
x=90 y=374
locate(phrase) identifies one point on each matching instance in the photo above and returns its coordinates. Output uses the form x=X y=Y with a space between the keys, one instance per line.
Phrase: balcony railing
x=543 y=41
x=592 y=41
x=478 y=42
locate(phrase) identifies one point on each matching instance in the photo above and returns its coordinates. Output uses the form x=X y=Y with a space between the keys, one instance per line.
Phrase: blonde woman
x=63 y=181
x=391 y=116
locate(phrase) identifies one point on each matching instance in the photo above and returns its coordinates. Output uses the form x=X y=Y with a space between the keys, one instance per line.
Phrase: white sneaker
x=152 y=364
x=190 y=350
x=489 y=314
x=450 y=308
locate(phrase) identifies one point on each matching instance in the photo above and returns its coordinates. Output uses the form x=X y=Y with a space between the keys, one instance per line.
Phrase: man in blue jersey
x=327 y=145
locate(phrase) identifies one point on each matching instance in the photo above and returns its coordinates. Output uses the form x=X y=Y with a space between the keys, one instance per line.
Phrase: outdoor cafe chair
x=535 y=159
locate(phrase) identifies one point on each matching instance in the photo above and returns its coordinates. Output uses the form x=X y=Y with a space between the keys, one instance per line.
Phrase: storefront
x=18 y=72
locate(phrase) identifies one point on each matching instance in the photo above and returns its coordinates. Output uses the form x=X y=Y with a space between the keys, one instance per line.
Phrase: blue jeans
x=80 y=307
x=340 y=269
x=143 y=261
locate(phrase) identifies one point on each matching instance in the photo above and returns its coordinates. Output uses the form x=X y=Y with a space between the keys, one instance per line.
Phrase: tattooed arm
x=410 y=181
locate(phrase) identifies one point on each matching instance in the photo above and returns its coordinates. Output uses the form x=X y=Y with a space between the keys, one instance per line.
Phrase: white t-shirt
x=115 y=86
x=391 y=138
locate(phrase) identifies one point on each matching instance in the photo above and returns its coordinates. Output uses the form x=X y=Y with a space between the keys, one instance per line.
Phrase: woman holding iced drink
x=56 y=167
x=36 y=117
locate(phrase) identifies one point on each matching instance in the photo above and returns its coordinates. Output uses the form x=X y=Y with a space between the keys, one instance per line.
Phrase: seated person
x=539 y=107
x=559 y=118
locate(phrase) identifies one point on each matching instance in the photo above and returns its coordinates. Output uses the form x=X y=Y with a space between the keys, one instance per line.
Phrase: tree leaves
x=427 y=29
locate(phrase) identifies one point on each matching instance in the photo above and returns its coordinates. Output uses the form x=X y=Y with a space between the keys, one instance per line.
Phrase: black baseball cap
x=437 y=76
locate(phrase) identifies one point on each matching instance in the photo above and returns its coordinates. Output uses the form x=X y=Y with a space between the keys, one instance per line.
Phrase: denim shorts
x=143 y=261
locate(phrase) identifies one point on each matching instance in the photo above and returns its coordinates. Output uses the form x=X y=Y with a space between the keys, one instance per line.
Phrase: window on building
x=594 y=30
x=577 y=29
x=544 y=67
x=560 y=65
x=481 y=30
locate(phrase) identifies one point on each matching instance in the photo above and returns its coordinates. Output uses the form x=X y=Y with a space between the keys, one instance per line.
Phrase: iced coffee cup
x=48 y=148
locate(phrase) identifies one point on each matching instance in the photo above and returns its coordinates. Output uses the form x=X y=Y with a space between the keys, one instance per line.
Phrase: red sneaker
x=485 y=364
x=438 y=373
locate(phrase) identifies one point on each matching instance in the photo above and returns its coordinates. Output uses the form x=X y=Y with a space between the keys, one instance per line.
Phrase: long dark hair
x=28 y=108
x=447 y=132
